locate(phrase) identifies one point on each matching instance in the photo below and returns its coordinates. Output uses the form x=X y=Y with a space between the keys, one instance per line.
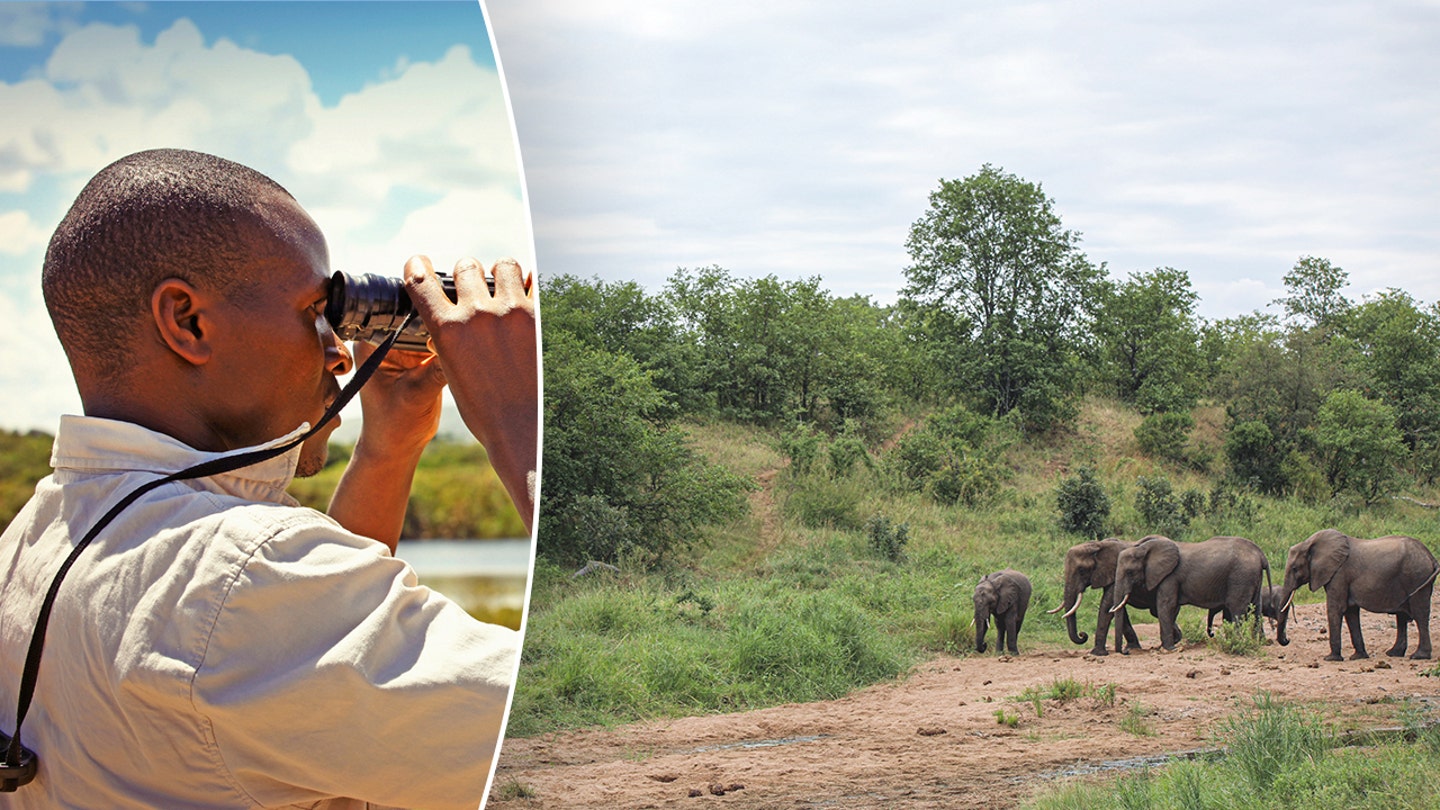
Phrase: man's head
x=188 y=293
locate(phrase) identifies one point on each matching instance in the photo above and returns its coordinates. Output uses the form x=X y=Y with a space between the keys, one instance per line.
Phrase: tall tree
x=1151 y=341
x=1398 y=345
x=1313 y=288
x=990 y=255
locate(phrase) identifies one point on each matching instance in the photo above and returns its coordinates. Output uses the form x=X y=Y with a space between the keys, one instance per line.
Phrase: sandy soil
x=933 y=740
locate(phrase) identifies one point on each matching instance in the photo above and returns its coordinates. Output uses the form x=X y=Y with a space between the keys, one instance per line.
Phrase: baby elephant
x=1269 y=608
x=1004 y=595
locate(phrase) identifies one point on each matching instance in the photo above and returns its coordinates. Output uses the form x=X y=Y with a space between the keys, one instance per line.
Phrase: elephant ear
x=1161 y=558
x=1328 y=551
x=1106 y=555
x=1005 y=597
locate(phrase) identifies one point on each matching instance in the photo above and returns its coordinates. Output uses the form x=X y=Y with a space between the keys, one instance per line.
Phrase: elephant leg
x=1169 y=630
x=1012 y=627
x=1422 y=629
x=1132 y=641
x=1352 y=620
x=1402 y=620
x=1334 y=614
x=1102 y=628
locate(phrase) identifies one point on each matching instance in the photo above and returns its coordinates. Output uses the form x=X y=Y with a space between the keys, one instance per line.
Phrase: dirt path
x=933 y=740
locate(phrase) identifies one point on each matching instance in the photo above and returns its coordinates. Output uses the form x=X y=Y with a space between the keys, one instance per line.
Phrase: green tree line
x=1001 y=329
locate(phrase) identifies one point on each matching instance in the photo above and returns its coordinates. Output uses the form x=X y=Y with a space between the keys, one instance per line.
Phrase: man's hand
x=401 y=409
x=488 y=348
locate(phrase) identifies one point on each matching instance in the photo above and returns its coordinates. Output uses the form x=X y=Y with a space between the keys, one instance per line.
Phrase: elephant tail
x=1422 y=585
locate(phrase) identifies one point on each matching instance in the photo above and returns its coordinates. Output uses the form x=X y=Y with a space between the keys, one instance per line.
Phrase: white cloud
x=440 y=127
x=25 y=25
x=19 y=234
x=104 y=94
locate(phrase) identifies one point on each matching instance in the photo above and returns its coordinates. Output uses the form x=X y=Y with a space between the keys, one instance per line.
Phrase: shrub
x=1161 y=511
x=967 y=480
x=1164 y=435
x=887 y=539
x=845 y=452
x=1254 y=456
x=801 y=444
x=1084 y=506
x=1241 y=637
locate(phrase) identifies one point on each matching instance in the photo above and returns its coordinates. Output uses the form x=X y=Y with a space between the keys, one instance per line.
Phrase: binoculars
x=370 y=307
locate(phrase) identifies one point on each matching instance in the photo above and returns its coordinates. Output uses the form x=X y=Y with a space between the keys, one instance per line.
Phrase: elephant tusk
x=1076 y=606
x=1123 y=603
x=1288 y=602
x=1056 y=609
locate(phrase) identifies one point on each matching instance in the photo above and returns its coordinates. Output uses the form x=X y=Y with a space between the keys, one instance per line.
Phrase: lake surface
x=486 y=577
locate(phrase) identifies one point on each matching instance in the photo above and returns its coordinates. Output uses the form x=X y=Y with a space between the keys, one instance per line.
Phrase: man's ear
x=182 y=316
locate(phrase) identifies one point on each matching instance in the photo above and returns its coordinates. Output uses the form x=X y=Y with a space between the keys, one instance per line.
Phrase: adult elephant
x=1393 y=574
x=1004 y=595
x=1222 y=572
x=1092 y=565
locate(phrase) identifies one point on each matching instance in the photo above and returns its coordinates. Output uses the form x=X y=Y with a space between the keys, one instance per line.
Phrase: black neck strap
x=17 y=763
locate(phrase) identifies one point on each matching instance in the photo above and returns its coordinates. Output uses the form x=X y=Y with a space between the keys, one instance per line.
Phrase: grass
x=1275 y=756
x=1064 y=690
x=1137 y=721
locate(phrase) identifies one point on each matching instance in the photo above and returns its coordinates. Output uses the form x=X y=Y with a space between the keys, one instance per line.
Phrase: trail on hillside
x=764 y=508
x=933 y=739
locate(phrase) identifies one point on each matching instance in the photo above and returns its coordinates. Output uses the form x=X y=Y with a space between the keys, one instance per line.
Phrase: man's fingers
x=470 y=281
x=509 y=279
x=425 y=289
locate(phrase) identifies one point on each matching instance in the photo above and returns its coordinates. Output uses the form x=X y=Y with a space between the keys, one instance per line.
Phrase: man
x=217 y=645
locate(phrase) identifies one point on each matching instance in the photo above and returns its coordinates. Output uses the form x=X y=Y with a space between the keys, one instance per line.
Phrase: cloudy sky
x=803 y=137
x=387 y=121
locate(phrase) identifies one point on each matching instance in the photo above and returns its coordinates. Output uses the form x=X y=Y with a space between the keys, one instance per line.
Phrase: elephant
x=1393 y=574
x=1269 y=608
x=1006 y=596
x=1220 y=573
x=1092 y=565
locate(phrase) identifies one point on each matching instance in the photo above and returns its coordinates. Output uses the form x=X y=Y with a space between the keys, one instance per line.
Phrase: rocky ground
x=932 y=739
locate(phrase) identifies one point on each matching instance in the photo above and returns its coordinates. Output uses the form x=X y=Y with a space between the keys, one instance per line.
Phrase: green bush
x=966 y=480
x=887 y=539
x=1164 y=435
x=801 y=444
x=1159 y=508
x=1084 y=506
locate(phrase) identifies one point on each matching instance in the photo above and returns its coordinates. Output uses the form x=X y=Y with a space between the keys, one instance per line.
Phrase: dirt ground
x=932 y=739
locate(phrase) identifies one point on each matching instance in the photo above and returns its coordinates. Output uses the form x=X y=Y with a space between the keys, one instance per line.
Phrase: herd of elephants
x=1229 y=576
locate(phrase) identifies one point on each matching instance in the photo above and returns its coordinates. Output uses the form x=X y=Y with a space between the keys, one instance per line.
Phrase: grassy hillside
x=797 y=601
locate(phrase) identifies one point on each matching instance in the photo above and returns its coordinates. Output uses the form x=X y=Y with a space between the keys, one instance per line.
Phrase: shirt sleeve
x=330 y=672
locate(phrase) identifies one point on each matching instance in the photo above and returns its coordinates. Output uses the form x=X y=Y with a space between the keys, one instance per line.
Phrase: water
x=486 y=577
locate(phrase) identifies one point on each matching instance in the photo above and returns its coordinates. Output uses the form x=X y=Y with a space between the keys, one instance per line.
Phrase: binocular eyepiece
x=370 y=307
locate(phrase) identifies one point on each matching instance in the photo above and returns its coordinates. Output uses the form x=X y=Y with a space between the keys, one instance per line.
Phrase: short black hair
x=157 y=214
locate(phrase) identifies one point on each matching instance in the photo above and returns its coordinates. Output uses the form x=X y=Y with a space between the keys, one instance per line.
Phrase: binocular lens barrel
x=370 y=307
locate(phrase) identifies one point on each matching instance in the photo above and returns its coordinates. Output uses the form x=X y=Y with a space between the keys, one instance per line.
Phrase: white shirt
x=220 y=646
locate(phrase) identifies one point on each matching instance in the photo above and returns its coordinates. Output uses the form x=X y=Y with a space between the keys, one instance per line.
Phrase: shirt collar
x=90 y=445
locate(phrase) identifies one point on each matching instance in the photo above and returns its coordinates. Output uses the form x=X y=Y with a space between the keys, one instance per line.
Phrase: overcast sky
x=803 y=137
x=386 y=120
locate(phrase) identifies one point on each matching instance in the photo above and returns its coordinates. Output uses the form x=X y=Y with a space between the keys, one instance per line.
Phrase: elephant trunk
x=982 y=626
x=1287 y=596
x=1071 y=625
x=1123 y=602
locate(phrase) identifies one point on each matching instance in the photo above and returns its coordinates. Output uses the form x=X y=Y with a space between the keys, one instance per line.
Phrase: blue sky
x=802 y=138
x=387 y=120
